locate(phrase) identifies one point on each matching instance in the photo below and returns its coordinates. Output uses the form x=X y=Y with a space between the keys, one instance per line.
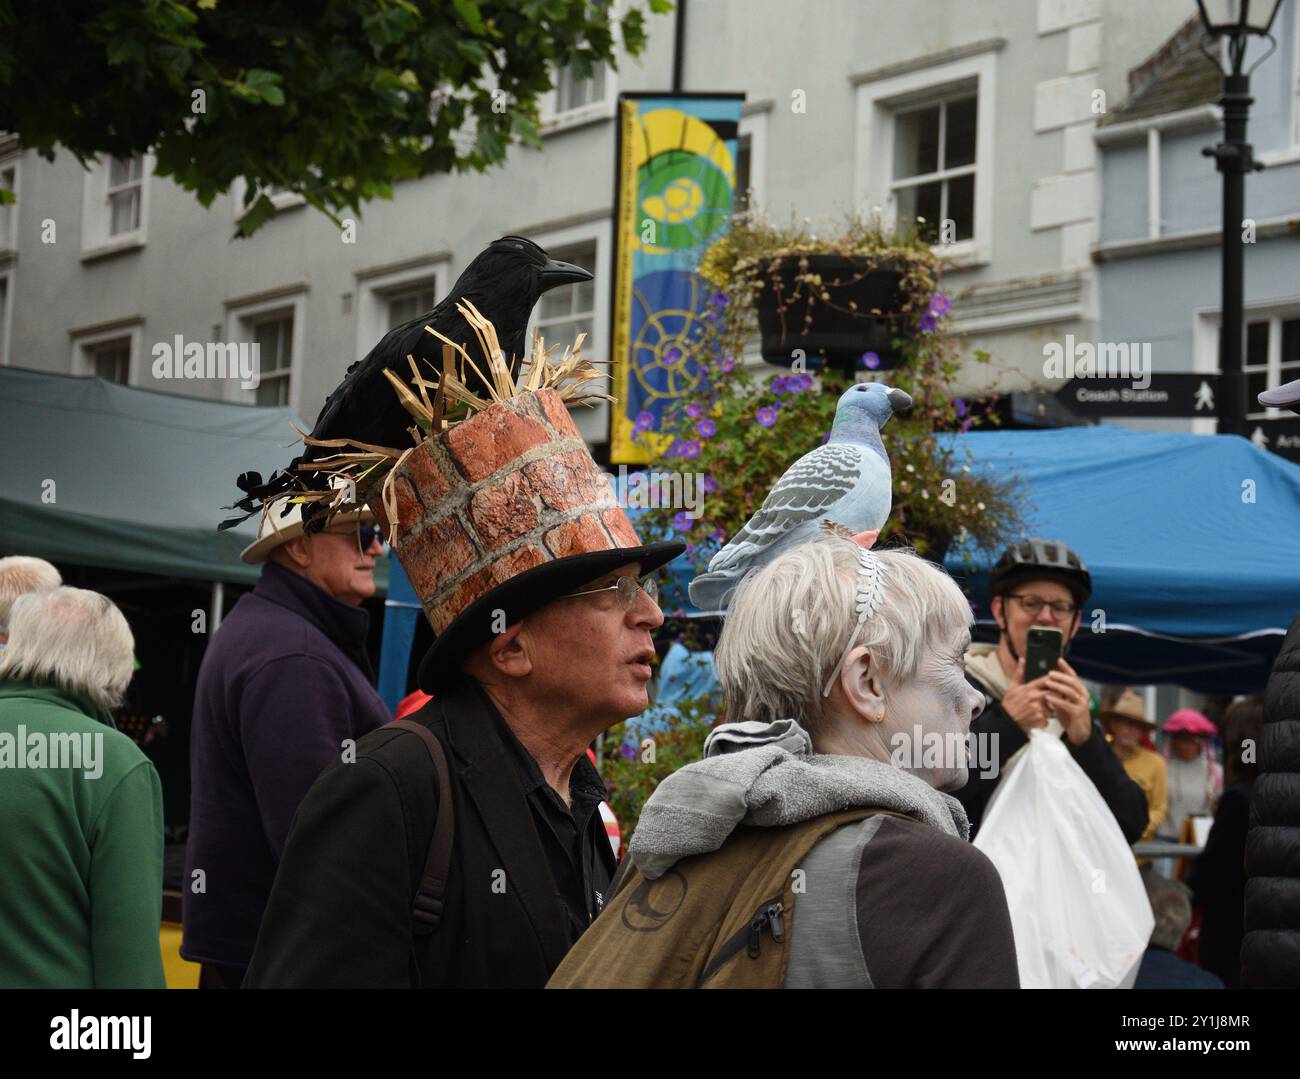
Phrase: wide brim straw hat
x=1128 y=706
x=274 y=529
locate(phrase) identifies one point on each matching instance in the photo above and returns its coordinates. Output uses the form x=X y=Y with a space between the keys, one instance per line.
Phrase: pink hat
x=1190 y=721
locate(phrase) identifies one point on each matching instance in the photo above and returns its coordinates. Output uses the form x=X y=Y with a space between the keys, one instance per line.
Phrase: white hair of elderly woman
x=20 y=574
x=71 y=638
x=790 y=622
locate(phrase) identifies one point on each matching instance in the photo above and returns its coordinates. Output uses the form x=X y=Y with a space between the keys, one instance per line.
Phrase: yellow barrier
x=180 y=973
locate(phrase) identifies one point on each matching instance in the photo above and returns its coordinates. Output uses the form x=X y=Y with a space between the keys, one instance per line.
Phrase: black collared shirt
x=570 y=835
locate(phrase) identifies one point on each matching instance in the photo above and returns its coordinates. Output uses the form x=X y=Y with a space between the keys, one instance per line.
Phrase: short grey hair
x=20 y=574
x=789 y=622
x=73 y=639
x=1171 y=903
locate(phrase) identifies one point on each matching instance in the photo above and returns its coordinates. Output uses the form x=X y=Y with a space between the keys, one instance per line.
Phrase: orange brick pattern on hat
x=508 y=489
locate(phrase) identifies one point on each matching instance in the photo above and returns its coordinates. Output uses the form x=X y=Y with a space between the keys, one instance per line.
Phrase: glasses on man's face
x=628 y=589
x=1033 y=604
x=365 y=535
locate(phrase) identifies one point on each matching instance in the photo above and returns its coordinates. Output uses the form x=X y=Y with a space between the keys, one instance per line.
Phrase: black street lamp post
x=1234 y=21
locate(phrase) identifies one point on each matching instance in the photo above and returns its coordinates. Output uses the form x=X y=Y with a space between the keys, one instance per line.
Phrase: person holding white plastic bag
x=1041 y=583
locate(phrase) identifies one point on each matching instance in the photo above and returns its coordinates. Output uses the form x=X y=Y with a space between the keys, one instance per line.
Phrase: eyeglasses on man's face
x=365 y=535
x=628 y=589
x=1033 y=604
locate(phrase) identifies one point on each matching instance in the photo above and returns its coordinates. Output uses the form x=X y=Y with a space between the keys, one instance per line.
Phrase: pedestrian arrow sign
x=1179 y=394
x=1277 y=436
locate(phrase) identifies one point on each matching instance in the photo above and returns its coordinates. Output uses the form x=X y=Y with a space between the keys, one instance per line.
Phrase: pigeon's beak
x=898 y=400
x=555 y=273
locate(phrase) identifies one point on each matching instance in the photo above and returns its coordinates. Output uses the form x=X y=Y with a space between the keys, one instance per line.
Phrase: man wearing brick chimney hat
x=482 y=869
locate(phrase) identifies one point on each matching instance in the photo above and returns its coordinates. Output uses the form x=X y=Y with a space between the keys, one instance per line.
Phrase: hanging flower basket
x=834 y=308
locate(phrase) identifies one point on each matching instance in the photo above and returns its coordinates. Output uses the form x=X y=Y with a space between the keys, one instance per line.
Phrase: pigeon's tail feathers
x=711 y=592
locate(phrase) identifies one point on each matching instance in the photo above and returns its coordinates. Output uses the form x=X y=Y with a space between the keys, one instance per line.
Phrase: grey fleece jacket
x=885 y=902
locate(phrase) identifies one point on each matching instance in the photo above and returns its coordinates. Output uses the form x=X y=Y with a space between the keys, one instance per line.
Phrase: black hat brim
x=522 y=595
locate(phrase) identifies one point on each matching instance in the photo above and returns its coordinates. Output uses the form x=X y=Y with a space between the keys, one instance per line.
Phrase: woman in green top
x=81 y=851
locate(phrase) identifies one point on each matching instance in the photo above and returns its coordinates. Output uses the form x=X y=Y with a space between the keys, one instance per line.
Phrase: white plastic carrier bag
x=1079 y=909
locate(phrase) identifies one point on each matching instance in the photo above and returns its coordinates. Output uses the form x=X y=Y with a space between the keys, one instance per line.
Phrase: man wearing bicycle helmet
x=1043 y=583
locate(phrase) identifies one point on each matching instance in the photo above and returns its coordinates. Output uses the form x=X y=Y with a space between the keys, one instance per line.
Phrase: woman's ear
x=862 y=687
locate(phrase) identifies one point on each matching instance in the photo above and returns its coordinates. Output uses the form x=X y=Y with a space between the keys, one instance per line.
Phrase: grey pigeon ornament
x=847 y=482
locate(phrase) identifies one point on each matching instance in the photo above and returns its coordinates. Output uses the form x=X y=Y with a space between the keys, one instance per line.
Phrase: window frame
x=552 y=120
x=242 y=316
x=375 y=287
x=9 y=243
x=754 y=127
x=1206 y=352
x=592 y=422
x=943 y=174
x=7 y=275
x=85 y=340
x=879 y=101
x=96 y=213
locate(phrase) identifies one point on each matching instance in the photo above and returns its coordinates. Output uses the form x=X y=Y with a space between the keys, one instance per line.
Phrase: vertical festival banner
x=675 y=182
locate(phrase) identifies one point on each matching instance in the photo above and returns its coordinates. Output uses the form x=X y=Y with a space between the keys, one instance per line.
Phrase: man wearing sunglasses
x=285 y=688
x=1041 y=583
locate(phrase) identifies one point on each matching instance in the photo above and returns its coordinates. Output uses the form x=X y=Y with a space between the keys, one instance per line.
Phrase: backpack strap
x=427 y=909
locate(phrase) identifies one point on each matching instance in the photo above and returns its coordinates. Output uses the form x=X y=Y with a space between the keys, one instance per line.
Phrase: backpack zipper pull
x=776 y=921
x=756 y=934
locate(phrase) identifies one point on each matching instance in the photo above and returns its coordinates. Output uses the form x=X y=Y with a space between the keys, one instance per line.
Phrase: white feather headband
x=870 y=591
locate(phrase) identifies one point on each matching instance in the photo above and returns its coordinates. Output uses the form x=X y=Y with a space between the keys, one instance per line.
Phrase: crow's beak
x=898 y=400
x=556 y=273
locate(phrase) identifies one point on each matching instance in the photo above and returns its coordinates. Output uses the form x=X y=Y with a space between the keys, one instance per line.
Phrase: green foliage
x=335 y=101
x=724 y=432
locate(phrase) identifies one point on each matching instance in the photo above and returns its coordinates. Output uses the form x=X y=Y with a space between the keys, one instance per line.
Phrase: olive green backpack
x=713 y=921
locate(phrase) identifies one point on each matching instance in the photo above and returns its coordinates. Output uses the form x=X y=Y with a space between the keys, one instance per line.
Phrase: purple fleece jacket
x=284 y=682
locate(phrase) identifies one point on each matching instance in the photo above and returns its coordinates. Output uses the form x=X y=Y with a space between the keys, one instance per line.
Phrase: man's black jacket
x=1095 y=757
x=339 y=914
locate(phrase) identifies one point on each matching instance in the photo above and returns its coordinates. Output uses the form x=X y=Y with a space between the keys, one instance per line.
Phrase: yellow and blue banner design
x=675 y=185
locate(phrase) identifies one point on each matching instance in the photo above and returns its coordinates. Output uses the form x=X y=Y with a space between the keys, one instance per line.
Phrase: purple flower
x=718 y=536
x=682 y=523
x=627 y=751
x=966 y=424
x=673 y=355
x=691 y=449
x=706 y=428
x=676 y=448
x=800 y=382
x=726 y=365
x=645 y=421
x=719 y=299
x=927 y=323
x=708 y=485
x=695 y=410
x=939 y=304
x=710 y=313
x=766 y=416
x=779 y=386
x=961 y=407
x=776 y=404
x=870 y=360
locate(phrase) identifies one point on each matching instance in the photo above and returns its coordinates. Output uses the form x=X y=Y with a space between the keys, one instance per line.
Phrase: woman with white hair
x=82 y=839
x=20 y=574
x=814 y=846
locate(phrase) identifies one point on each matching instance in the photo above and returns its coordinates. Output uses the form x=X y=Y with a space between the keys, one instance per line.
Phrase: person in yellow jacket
x=1126 y=724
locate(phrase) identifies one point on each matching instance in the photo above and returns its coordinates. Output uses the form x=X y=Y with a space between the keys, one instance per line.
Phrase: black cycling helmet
x=1049 y=559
